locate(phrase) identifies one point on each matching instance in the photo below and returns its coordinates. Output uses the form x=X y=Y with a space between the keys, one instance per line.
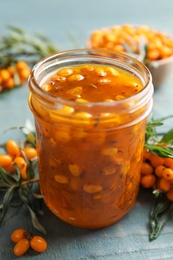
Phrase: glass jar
x=89 y=167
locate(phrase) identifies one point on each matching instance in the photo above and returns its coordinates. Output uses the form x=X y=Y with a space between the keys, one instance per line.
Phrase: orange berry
x=164 y=184
x=147 y=181
x=20 y=161
x=168 y=162
x=12 y=148
x=168 y=174
x=5 y=159
x=5 y=75
x=10 y=167
x=38 y=243
x=18 y=234
x=30 y=152
x=21 y=247
x=9 y=83
x=23 y=174
x=24 y=73
x=156 y=160
x=146 y=168
x=159 y=170
x=146 y=154
x=153 y=55
x=20 y=65
x=170 y=194
x=11 y=70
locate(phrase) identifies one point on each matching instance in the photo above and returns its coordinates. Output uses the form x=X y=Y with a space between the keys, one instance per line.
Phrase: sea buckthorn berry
x=168 y=162
x=83 y=115
x=168 y=174
x=38 y=243
x=87 y=68
x=62 y=136
x=153 y=55
x=61 y=179
x=20 y=65
x=58 y=78
x=111 y=71
x=90 y=188
x=77 y=91
x=21 y=247
x=10 y=167
x=5 y=160
x=20 y=161
x=170 y=194
x=159 y=170
x=156 y=160
x=5 y=75
x=23 y=174
x=65 y=72
x=18 y=234
x=12 y=148
x=46 y=87
x=146 y=168
x=119 y=97
x=24 y=73
x=9 y=83
x=75 y=77
x=30 y=152
x=147 y=181
x=164 y=184
x=146 y=154
x=11 y=70
x=100 y=72
x=110 y=151
x=108 y=170
x=75 y=169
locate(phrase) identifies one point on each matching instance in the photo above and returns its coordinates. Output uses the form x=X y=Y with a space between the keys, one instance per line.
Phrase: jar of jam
x=90 y=109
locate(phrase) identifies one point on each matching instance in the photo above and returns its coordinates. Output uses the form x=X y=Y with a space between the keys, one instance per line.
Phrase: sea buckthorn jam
x=90 y=117
x=93 y=83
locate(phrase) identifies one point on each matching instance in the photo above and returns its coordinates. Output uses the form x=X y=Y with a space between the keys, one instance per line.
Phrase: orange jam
x=90 y=143
x=93 y=83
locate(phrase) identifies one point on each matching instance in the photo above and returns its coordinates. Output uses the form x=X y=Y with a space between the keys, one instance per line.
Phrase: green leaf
x=6 y=202
x=17 y=175
x=160 y=151
x=168 y=137
x=35 y=221
x=160 y=214
x=15 y=29
x=6 y=177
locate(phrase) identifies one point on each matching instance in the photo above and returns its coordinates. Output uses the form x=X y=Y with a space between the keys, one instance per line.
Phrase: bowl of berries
x=154 y=48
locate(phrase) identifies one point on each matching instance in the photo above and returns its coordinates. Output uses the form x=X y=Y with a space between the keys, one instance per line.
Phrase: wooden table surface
x=59 y=20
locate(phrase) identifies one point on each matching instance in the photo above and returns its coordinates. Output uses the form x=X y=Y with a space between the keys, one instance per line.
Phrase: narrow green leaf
x=168 y=137
x=161 y=223
x=160 y=151
x=15 y=29
x=6 y=202
x=6 y=177
x=17 y=175
x=35 y=221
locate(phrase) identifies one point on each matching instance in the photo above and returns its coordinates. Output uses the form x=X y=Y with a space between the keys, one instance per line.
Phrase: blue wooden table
x=60 y=21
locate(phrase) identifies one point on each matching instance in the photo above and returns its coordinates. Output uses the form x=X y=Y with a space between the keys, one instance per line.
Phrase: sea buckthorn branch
x=157 y=173
x=18 y=53
x=19 y=182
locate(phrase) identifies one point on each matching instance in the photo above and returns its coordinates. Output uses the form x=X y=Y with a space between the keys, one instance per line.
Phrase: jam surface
x=94 y=83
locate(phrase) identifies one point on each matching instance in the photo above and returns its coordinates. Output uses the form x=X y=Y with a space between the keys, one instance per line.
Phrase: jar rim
x=98 y=53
